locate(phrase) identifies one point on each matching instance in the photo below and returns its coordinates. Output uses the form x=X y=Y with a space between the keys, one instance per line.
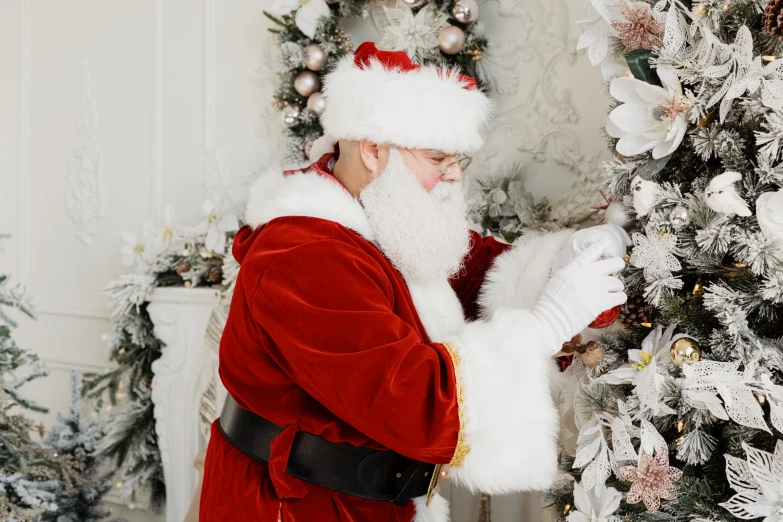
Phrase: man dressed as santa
x=374 y=342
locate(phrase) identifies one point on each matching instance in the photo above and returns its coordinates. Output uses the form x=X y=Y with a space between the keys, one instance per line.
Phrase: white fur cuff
x=510 y=420
x=518 y=276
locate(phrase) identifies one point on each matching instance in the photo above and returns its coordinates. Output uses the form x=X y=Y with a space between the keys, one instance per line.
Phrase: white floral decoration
x=758 y=481
x=597 y=505
x=417 y=34
x=215 y=226
x=654 y=253
x=649 y=117
x=141 y=250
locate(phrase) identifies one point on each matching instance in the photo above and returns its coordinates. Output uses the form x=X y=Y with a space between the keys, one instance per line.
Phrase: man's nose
x=453 y=174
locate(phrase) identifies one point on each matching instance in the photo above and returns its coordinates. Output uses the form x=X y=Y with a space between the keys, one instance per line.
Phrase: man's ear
x=373 y=156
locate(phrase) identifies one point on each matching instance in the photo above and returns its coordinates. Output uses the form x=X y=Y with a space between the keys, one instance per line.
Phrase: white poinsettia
x=417 y=34
x=642 y=368
x=309 y=15
x=767 y=77
x=141 y=250
x=216 y=226
x=597 y=505
x=650 y=117
x=758 y=481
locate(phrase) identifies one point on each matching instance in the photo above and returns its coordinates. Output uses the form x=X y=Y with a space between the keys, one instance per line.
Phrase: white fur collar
x=308 y=194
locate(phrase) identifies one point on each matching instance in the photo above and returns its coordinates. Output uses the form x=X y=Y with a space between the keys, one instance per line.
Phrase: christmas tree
x=681 y=415
x=82 y=501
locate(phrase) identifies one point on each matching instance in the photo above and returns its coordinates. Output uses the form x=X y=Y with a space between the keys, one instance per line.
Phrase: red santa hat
x=383 y=97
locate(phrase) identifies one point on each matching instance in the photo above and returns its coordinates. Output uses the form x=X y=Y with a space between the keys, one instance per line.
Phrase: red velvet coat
x=325 y=336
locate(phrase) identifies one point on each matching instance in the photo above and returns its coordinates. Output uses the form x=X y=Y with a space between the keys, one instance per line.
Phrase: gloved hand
x=614 y=239
x=577 y=293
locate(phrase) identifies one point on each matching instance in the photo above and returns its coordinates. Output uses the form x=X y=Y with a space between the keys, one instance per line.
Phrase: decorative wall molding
x=25 y=144
x=210 y=44
x=87 y=197
x=71 y=311
x=181 y=316
x=156 y=144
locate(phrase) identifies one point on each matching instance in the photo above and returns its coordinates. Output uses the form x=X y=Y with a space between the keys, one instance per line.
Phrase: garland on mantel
x=165 y=254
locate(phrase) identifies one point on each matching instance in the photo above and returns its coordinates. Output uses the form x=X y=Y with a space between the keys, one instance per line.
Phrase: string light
x=567 y=509
x=680 y=425
x=131 y=506
x=768 y=58
x=762 y=399
x=740 y=265
x=647 y=325
x=726 y=7
x=118 y=484
x=698 y=289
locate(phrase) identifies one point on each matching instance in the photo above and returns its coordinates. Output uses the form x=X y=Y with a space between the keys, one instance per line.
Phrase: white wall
x=170 y=85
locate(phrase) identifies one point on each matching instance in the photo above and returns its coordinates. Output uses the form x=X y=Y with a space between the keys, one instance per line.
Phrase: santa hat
x=383 y=97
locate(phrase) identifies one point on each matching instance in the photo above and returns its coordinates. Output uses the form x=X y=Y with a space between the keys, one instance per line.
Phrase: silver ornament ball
x=451 y=39
x=315 y=57
x=306 y=83
x=465 y=11
x=413 y=4
x=317 y=103
x=616 y=214
x=290 y=115
x=679 y=217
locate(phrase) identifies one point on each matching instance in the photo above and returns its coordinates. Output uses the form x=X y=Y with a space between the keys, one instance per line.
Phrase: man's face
x=427 y=166
x=422 y=228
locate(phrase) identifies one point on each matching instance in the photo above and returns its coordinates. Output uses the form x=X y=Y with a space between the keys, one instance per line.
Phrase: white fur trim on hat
x=420 y=109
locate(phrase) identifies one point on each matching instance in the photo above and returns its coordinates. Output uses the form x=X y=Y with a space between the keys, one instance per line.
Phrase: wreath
x=312 y=41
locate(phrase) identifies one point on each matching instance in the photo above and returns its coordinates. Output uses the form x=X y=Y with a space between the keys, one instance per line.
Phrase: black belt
x=361 y=472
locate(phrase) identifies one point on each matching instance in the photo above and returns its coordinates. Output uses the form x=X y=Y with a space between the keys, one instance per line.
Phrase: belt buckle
x=433 y=487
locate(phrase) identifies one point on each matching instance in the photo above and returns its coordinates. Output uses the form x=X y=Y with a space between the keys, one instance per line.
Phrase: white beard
x=424 y=234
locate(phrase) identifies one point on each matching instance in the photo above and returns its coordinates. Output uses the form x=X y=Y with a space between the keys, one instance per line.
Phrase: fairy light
x=768 y=58
x=680 y=425
x=726 y=6
x=566 y=509
x=647 y=325
x=762 y=399
x=701 y=9
x=118 y=484
x=131 y=506
x=698 y=289
x=740 y=265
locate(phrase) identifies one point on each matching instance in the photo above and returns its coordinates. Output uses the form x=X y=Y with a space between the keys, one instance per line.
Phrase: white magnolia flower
x=769 y=212
x=758 y=482
x=216 y=227
x=597 y=505
x=141 y=250
x=650 y=117
x=417 y=35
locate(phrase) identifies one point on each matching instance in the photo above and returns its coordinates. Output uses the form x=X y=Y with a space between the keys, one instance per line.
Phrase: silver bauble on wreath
x=465 y=11
x=451 y=39
x=315 y=57
x=615 y=213
x=679 y=217
x=317 y=103
x=306 y=83
x=290 y=115
x=413 y=4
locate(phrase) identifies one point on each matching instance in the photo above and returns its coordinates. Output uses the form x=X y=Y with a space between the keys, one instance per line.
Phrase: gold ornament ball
x=317 y=103
x=290 y=115
x=306 y=83
x=315 y=57
x=451 y=39
x=465 y=11
x=685 y=351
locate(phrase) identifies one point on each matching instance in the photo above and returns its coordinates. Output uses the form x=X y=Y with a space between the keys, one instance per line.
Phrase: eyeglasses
x=462 y=160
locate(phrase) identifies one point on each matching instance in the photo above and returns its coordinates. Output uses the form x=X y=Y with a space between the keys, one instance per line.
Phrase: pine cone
x=636 y=310
x=773 y=17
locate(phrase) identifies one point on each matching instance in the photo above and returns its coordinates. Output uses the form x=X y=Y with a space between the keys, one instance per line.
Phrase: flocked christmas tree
x=82 y=501
x=35 y=482
x=682 y=418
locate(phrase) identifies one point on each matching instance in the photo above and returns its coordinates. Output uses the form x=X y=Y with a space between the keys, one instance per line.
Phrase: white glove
x=578 y=293
x=614 y=239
